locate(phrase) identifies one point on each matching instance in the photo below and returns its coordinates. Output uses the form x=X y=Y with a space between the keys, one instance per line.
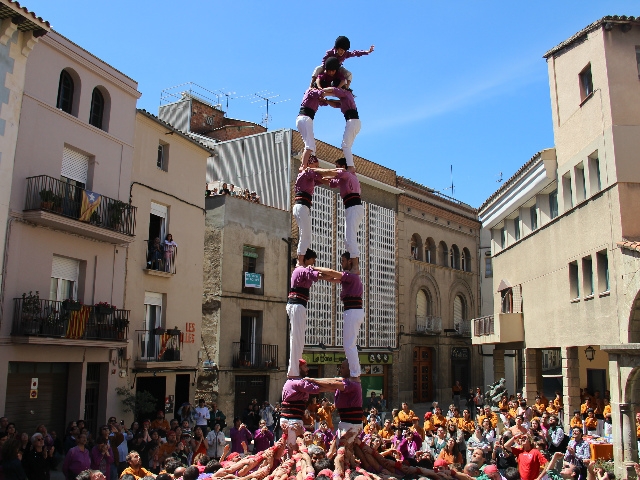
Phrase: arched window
x=459 y=312
x=454 y=257
x=97 y=108
x=423 y=304
x=444 y=254
x=466 y=260
x=65 y=92
x=430 y=250
x=416 y=247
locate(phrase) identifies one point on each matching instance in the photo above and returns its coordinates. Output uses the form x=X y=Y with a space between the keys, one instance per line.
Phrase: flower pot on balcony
x=173 y=331
x=72 y=306
x=103 y=310
x=159 y=331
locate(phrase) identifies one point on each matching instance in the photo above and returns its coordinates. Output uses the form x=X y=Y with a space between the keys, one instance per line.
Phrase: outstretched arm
x=328 y=384
x=328 y=272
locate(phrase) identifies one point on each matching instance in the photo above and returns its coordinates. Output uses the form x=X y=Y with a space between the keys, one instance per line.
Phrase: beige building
x=562 y=273
x=19 y=32
x=438 y=295
x=70 y=223
x=164 y=281
x=244 y=324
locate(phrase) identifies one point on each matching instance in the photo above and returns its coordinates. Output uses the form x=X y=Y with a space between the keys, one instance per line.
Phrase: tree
x=140 y=403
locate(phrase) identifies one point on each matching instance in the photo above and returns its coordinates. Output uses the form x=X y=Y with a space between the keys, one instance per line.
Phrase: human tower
x=329 y=80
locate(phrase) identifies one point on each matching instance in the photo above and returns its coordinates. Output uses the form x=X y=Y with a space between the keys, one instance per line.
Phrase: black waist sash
x=303 y=198
x=352 y=303
x=351 y=114
x=309 y=112
x=293 y=410
x=298 y=296
x=351 y=200
x=351 y=415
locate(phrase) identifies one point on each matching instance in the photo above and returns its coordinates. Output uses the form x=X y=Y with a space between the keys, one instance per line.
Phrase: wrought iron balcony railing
x=483 y=326
x=428 y=324
x=463 y=328
x=256 y=356
x=55 y=196
x=48 y=318
x=159 y=345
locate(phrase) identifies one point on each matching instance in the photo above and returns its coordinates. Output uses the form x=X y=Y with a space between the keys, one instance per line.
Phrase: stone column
x=498 y=364
x=570 y=382
x=629 y=440
x=531 y=374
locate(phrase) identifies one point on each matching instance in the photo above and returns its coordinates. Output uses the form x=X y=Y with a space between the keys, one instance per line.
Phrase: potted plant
x=173 y=331
x=30 y=312
x=116 y=210
x=72 y=305
x=57 y=203
x=95 y=219
x=121 y=325
x=104 y=308
x=46 y=199
x=159 y=331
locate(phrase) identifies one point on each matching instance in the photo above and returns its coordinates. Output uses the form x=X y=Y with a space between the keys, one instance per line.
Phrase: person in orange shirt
x=552 y=408
x=539 y=407
x=576 y=420
x=386 y=433
x=394 y=414
x=513 y=410
x=450 y=452
x=416 y=428
x=468 y=426
x=544 y=400
x=591 y=423
x=372 y=426
x=405 y=416
x=503 y=404
x=439 y=420
x=325 y=412
x=160 y=423
x=638 y=425
x=493 y=418
x=428 y=424
x=606 y=412
x=585 y=406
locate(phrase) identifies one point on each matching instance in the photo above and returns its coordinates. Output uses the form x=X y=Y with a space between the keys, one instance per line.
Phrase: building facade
x=164 y=281
x=563 y=230
x=438 y=240
x=70 y=223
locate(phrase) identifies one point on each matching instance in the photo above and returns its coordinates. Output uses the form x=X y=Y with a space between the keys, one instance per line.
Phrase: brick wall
x=210 y=121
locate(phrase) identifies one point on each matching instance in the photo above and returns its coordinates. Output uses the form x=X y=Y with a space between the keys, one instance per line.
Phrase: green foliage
x=46 y=195
x=140 y=403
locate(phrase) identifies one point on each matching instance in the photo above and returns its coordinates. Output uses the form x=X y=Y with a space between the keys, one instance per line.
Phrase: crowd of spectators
x=515 y=441
x=232 y=191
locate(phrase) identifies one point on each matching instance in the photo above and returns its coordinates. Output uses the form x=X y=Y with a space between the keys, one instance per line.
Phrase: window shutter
x=457 y=310
x=65 y=268
x=158 y=210
x=421 y=304
x=75 y=165
x=152 y=298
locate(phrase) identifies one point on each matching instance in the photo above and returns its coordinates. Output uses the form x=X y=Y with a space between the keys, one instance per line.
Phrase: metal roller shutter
x=158 y=210
x=75 y=165
x=421 y=304
x=65 y=268
x=458 y=310
x=152 y=298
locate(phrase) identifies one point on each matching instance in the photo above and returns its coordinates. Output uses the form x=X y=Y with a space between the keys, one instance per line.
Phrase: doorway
x=247 y=388
x=156 y=386
x=92 y=396
x=460 y=367
x=182 y=390
x=422 y=374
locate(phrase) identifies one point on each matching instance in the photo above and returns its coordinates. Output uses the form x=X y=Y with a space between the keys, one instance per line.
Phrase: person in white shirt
x=216 y=441
x=266 y=413
x=202 y=415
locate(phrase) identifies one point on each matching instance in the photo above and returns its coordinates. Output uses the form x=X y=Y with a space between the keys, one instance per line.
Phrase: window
x=574 y=281
x=465 y=260
x=581 y=183
x=252 y=263
x=503 y=237
x=507 y=300
x=553 y=204
x=163 y=156
x=454 y=257
x=65 y=92
x=587 y=276
x=516 y=228
x=251 y=350
x=594 y=173
x=444 y=254
x=488 y=267
x=459 y=312
x=150 y=343
x=97 y=108
x=64 y=279
x=430 y=250
x=416 y=247
x=586 y=83
x=533 y=214
x=603 y=271
x=423 y=304
x=567 y=192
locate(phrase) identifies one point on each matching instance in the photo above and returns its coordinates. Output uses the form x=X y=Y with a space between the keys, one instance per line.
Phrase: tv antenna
x=228 y=96
x=500 y=178
x=267 y=97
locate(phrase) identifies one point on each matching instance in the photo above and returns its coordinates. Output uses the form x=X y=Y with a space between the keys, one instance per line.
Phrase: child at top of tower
x=341 y=52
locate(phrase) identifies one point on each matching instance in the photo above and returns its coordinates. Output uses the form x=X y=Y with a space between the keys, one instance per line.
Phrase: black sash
x=303 y=198
x=351 y=200
x=293 y=410
x=352 y=303
x=308 y=112
x=351 y=415
x=351 y=114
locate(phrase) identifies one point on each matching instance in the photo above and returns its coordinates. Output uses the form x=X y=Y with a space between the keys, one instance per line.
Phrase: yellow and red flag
x=90 y=202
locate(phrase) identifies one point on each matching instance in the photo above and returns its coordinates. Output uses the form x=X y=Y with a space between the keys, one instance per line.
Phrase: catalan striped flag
x=90 y=201
x=78 y=322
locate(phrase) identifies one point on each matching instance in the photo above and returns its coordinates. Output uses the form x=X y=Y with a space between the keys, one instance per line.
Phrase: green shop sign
x=252 y=280
x=327 y=358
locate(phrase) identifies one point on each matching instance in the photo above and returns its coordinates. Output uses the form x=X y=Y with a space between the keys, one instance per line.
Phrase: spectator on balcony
x=232 y=190
x=170 y=253
x=224 y=190
x=155 y=255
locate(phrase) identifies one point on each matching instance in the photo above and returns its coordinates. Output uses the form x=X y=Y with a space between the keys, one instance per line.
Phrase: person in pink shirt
x=347 y=105
x=304 y=187
x=312 y=100
x=340 y=51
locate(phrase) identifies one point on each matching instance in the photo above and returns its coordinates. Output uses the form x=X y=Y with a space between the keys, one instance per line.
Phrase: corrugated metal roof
x=590 y=28
x=8 y=9
x=175 y=130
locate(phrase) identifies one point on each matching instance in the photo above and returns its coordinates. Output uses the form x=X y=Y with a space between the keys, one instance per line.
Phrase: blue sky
x=450 y=83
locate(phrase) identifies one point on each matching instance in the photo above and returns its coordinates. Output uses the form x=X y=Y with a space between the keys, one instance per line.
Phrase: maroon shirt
x=347 y=182
x=351 y=287
x=347 y=54
x=307 y=180
x=303 y=277
x=313 y=99
x=347 y=102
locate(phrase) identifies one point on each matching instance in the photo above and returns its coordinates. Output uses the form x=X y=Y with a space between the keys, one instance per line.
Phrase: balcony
x=428 y=325
x=158 y=346
x=35 y=320
x=508 y=328
x=53 y=203
x=161 y=259
x=462 y=328
x=255 y=356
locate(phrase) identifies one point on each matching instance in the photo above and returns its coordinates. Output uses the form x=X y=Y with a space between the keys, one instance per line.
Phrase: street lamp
x=590 y=353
